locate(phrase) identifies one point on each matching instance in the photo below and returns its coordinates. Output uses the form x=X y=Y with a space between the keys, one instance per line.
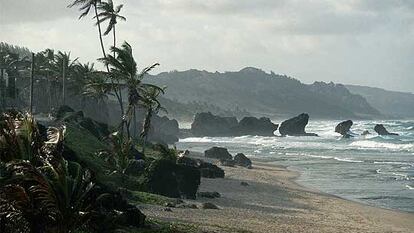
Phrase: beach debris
x=209 y=205
x=187 y=206
x=381 y=130
x=295 y=126
x=241 y=160
x=209 y=194
x=167 y=209
x=366 y=132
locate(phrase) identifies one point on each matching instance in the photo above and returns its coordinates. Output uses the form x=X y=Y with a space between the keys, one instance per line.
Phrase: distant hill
x=391 y=103
x=264 y=94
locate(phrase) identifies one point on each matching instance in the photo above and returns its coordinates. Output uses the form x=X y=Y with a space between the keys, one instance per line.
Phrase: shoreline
x=274 y=202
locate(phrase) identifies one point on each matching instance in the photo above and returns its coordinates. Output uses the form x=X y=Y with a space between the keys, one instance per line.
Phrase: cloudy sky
x=366 y=42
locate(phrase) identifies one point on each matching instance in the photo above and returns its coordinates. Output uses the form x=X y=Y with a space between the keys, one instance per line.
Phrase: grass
x=149 y=198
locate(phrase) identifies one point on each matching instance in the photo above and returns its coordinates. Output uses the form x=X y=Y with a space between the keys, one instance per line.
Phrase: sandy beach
x=273 y=202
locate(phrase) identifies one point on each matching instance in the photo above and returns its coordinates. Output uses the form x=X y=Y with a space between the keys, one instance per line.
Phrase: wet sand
x=273 y=202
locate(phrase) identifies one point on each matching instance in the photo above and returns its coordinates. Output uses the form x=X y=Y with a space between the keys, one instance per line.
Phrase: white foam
x=348 y=160
x=381 y=145
x=194 y=139
x=409 y=187
x=393 y=163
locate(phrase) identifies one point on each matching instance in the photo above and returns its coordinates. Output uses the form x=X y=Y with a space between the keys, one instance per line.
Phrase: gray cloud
x=366 y=42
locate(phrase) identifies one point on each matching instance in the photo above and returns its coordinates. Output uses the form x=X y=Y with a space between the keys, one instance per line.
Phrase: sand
x=273 y=202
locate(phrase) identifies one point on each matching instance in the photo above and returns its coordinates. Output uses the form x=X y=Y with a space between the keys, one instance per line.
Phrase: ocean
x=375 y=170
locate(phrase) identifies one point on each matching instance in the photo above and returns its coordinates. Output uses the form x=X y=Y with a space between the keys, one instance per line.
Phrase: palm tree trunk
x=100 y=34
x=145 y=129
x=3 y=91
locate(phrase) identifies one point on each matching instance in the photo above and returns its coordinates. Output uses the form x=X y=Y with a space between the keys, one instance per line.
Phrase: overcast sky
x=366 y=42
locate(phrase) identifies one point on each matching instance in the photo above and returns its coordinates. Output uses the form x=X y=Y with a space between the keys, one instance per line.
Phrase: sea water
x=372 y=169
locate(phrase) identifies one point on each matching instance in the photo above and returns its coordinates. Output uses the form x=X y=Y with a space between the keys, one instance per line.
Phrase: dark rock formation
x=381 y=130
x=343 y=128
x=207 y=170
x=227 y=163
x=255 y=126
x=241 y=160
x=295 y=126
x=207 y=124
x=166 y=178
x=220 y=153
x=163 y=130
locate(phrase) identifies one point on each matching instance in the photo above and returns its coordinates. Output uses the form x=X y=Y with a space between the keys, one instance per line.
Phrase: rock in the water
x=243 y=183
x=255 y=126
x=209 y=205
x=220 y=153
x=207 y=124
x=208 y=194
x=344 y=128
x=295 y=126
x=366 y=132
x=241 y=160
x=381 y=130
x=135 y=167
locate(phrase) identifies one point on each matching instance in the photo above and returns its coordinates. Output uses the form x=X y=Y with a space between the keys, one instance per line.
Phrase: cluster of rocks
x=207 y=170
x=207 y=124
x=226 y=159
x=344 y=128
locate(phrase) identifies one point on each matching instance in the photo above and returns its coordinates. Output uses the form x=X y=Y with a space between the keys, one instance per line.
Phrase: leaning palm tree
x=85 y=7
x=123 y=69
x=152 y=105
x=111 y=14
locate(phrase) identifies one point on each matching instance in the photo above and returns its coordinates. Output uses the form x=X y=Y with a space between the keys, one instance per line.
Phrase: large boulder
x=381 y=130
x=207 y=170
x=256 y=126
x=167 y=178
x=207 y=124
x=220 y=153
x=295 y=126
x=344 y=128
x=241 y=160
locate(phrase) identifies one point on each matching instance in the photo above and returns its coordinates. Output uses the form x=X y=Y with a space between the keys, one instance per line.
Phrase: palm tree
x=64 y=66
x=85 y=7
x=123 y=69
x=108 y=12
x=151 y=103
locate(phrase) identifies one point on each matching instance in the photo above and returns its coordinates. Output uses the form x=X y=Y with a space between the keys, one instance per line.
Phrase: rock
x=227 y=163
x=209 y=205
x=366 y=132
x=209 y=170
x=241 y=160
x=381 y=130
x=243 y=183
x=135 y=167
x=131 y=217
x=255 y=126
x=220 y=153
x=295 y=126
x=207 y=124
x=208 y=194
x=166 y=178
x=344 y=128
x=167 y=209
